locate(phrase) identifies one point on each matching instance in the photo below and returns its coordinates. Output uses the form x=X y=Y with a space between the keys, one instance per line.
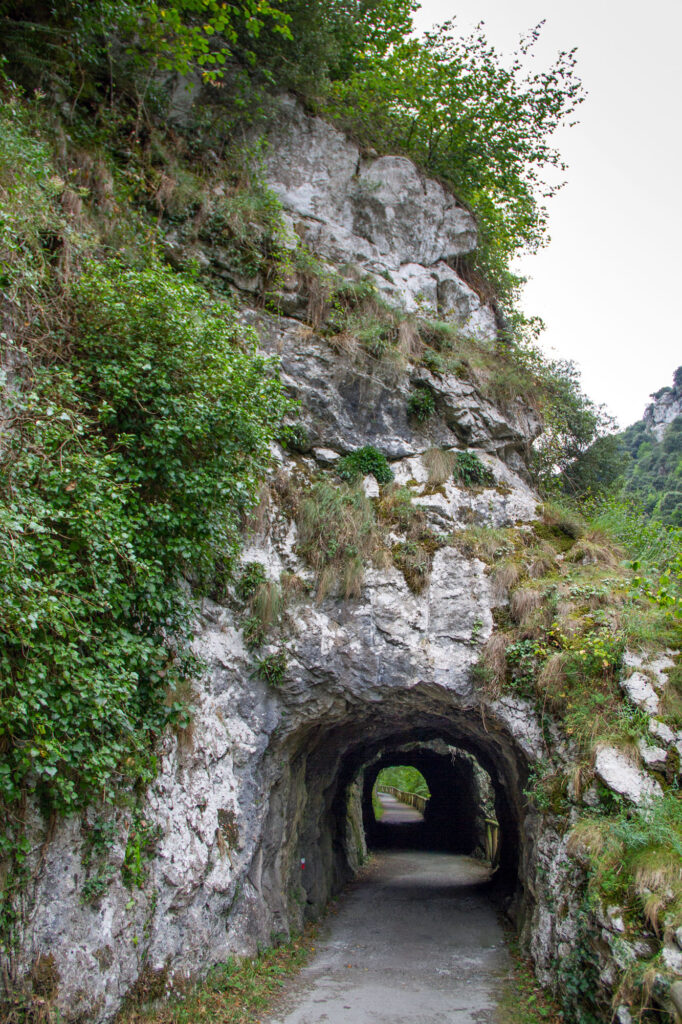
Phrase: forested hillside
x=653 y=471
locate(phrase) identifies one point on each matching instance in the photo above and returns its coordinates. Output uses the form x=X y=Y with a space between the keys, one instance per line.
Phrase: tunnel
x=320 y=810
x=454 y=819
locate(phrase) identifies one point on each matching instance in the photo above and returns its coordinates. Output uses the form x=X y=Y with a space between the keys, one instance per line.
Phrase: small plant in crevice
x=140 y=847
x=264 y=603
x=414 y=561
x=254 y=633
x=433 y=361
x=272 y=668
x=100 y=836
x=294 y=438
x=470 y=471
x=250 y=579
x=421 y=404
x=363 y=462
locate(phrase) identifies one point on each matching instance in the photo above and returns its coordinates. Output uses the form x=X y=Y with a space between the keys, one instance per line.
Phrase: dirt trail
x=415 y=940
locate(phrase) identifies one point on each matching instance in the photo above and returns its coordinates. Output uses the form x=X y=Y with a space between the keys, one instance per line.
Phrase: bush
x=364 y=461
x=470 y=471
x=124 y=469
x=421 y=405
x=251 y=578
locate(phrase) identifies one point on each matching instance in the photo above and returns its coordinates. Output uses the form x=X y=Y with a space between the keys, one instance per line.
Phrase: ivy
x=126 y=468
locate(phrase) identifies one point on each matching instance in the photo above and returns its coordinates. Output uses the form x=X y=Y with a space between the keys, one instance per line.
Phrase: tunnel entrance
x=321 y=821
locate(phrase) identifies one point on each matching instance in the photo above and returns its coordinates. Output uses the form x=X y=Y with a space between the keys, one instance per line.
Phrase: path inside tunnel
x=415 y=939
x=396 y=813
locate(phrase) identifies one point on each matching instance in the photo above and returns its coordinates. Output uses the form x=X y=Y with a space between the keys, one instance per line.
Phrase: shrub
x=470 y=471
x=125 y=468
x=251 y=577
x=421 y=405
x=364 y=461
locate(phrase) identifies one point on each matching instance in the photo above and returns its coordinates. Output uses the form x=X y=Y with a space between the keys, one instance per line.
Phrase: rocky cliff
x=666 y=407
x=381 y=602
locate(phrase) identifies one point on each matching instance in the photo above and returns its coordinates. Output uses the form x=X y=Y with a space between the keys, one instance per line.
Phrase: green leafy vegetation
x=635 y=466
x=421 y=405
x=405 y=778
x=272 y=668
x=364 y=461
x=430 y=97
x=634 y=858
x=653 y=472
x=523 y=1000
x=130 y=463
x=583 y=585
x=469 y=470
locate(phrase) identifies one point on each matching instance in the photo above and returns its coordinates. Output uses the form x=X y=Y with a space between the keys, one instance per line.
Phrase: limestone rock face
x=345 y=405
x=381 y=216
x=269 y=774
x=251 y=789
x=666 y=407
x=617 y=771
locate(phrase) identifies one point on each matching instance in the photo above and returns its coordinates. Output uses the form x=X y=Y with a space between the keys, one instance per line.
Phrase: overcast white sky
x=608 y=285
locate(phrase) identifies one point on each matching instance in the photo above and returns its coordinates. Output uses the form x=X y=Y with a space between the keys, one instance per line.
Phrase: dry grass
x=552 y=679
x=542 y=560
x=292 y=586
x=586 y=841
x=662 y=873
x=504 y=577
x=409 y=343
x=494 y=664
x=256 y=521
x=485 y=543
x=439 y=464
x=338 y=533
x=588 y=551
x=267 y=603
x=345 y=344
x=562 y=520
x=523 y=603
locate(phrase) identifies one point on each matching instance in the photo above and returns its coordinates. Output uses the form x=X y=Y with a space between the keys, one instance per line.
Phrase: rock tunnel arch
x=318 y=813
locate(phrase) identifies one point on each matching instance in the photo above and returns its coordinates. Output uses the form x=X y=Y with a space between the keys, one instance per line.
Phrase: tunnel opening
x=321 y=823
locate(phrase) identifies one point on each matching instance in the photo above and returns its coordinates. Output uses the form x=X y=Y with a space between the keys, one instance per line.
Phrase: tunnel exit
x=431 y=796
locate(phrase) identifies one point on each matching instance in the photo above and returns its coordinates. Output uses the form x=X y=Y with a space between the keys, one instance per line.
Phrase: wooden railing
x=492 y=842
x=492 y=828
x=411 y=799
